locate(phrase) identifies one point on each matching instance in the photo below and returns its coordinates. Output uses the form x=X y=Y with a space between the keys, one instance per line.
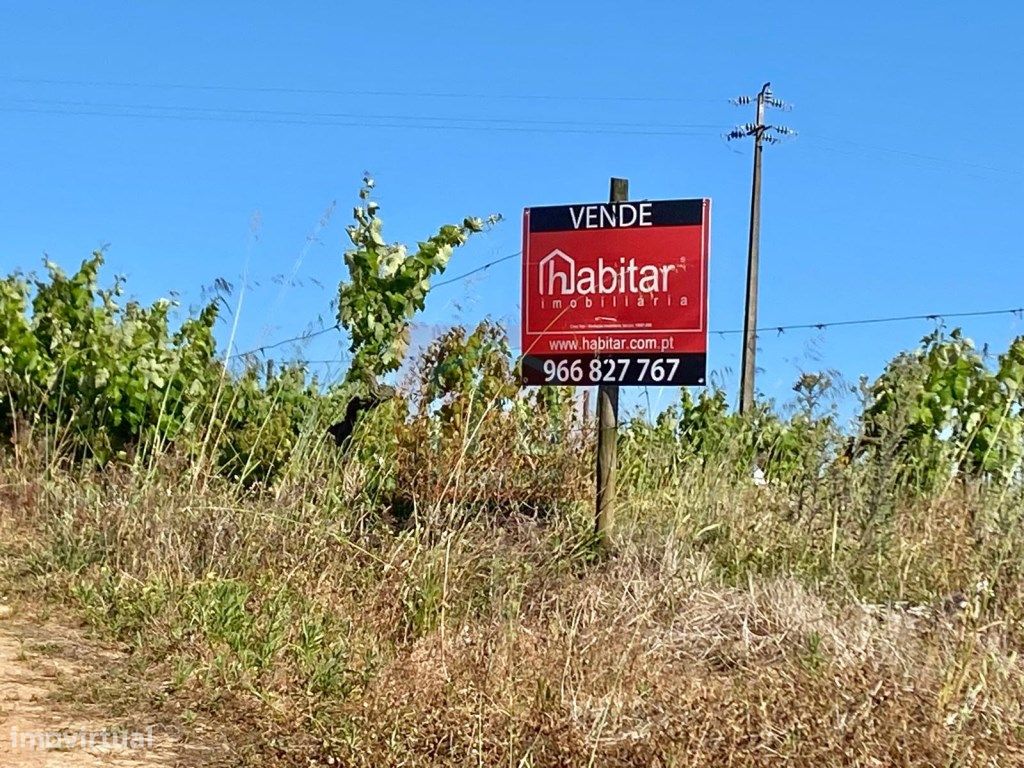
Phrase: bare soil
x=44 y=723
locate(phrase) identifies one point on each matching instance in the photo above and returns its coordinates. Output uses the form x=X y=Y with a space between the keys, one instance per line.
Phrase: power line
x=301 y=337
x=216 y=111
x=478 y=269
x=1019 y=311
x=357 y=91
x=935 y=316
x=834 y=145
x=511 y=127
x=77 y=108
x=820 y=326
x=307 y=336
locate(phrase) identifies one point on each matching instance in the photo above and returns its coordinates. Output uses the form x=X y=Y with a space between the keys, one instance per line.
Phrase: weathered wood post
x=608 y=429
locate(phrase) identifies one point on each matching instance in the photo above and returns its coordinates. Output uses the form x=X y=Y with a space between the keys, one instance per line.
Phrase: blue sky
x=199 y=141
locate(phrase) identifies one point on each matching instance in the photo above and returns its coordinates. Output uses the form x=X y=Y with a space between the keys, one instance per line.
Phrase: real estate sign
x=616 y=293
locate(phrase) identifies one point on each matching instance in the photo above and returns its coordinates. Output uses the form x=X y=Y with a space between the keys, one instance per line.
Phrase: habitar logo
x=559 y=276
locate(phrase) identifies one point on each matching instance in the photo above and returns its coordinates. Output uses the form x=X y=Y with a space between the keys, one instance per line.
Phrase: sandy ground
x=38 y=729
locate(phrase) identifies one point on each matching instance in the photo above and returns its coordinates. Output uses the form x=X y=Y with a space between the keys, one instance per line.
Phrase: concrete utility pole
x=762 y=134
x=753 y=246
x=608 y=427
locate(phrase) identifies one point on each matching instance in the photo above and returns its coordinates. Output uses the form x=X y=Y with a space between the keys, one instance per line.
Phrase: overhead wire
x=510 y=126
x=497 y=124
x=312 y=335
x=274 y=345
x=479 y=269
x=1019 y=311
x=408 y=121
x=363 y=116
x=849 y=147
x=306 y=91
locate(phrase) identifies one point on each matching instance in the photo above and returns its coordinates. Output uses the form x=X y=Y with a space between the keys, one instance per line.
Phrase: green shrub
x=99 y=375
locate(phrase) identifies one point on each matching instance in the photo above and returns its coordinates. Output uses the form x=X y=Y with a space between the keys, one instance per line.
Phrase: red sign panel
x=616 y=293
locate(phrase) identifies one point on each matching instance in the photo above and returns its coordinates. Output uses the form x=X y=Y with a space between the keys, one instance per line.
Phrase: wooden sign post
x=608 y=428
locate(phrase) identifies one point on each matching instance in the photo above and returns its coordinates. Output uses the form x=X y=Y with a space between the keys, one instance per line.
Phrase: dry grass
x=847 y=622
x=635 y=670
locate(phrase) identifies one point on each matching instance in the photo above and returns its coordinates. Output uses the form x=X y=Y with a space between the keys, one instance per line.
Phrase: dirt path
x=40 y=728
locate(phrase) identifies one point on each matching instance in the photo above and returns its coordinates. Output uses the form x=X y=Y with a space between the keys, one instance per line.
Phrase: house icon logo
x=560 y=267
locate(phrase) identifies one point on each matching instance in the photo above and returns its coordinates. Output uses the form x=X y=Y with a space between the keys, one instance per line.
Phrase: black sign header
x=631 y=214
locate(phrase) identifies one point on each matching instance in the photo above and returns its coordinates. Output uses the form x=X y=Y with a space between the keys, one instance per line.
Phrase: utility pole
x=608 y=428
x=753 y=255
x=762 y=134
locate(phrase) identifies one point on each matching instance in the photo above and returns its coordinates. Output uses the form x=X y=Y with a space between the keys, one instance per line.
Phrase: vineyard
x=400 y=568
